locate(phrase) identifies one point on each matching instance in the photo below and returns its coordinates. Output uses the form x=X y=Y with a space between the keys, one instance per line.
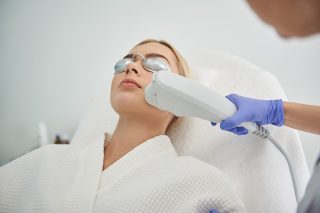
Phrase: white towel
x=257 y=169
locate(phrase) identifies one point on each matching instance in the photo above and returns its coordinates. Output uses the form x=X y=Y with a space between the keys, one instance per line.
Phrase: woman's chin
x=127 y=102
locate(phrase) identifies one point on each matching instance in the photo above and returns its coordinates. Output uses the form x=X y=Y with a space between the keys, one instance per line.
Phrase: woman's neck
x=129 y=133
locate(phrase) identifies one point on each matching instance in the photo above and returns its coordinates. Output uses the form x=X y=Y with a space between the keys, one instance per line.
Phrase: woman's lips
x=129 y=83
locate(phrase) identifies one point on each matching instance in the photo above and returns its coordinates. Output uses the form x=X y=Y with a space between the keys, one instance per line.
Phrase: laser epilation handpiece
x=184 y=97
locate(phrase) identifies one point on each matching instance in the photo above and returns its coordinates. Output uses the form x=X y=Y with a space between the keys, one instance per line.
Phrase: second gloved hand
x=261 y=112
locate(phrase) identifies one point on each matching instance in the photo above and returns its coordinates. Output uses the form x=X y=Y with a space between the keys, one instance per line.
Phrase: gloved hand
x=261 y=112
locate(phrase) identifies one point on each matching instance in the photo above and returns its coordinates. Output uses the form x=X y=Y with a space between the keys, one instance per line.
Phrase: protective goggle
x=151 y=64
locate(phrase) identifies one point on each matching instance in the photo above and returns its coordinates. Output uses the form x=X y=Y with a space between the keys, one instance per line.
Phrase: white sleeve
x=15 y=177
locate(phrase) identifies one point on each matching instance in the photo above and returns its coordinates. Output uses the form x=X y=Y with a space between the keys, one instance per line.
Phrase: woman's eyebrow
x=148 y=55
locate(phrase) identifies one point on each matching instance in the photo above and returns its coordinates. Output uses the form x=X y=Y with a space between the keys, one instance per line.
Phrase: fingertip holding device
x=185 y=97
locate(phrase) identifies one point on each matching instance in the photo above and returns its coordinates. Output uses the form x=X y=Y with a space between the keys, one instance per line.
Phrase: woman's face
x=127 y=98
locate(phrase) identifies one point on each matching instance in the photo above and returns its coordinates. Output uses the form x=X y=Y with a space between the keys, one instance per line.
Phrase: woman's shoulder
x=40 y=155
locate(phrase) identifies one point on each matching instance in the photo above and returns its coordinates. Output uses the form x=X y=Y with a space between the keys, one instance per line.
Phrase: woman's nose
x=133 y=67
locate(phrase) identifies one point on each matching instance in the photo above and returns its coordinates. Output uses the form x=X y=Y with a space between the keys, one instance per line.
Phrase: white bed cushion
x=258 y=170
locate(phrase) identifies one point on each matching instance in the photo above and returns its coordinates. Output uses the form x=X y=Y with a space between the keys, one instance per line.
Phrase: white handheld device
x=184 y=97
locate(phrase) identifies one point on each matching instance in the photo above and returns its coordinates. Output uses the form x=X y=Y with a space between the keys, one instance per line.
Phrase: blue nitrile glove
x=213 y=211
x=261 y=112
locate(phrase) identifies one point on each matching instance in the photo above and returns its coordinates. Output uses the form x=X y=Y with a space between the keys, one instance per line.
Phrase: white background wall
x=55 y=55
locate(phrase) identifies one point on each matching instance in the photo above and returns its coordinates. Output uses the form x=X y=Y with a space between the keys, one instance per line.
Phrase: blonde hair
x=183 y=67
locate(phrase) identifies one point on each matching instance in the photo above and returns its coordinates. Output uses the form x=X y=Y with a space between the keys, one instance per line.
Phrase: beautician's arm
x=276 y=112
x=302 y=116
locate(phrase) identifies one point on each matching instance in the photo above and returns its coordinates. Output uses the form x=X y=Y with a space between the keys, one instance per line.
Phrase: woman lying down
x=134 y=170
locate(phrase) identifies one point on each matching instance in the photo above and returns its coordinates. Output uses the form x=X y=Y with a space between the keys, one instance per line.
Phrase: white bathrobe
x=150 y=178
